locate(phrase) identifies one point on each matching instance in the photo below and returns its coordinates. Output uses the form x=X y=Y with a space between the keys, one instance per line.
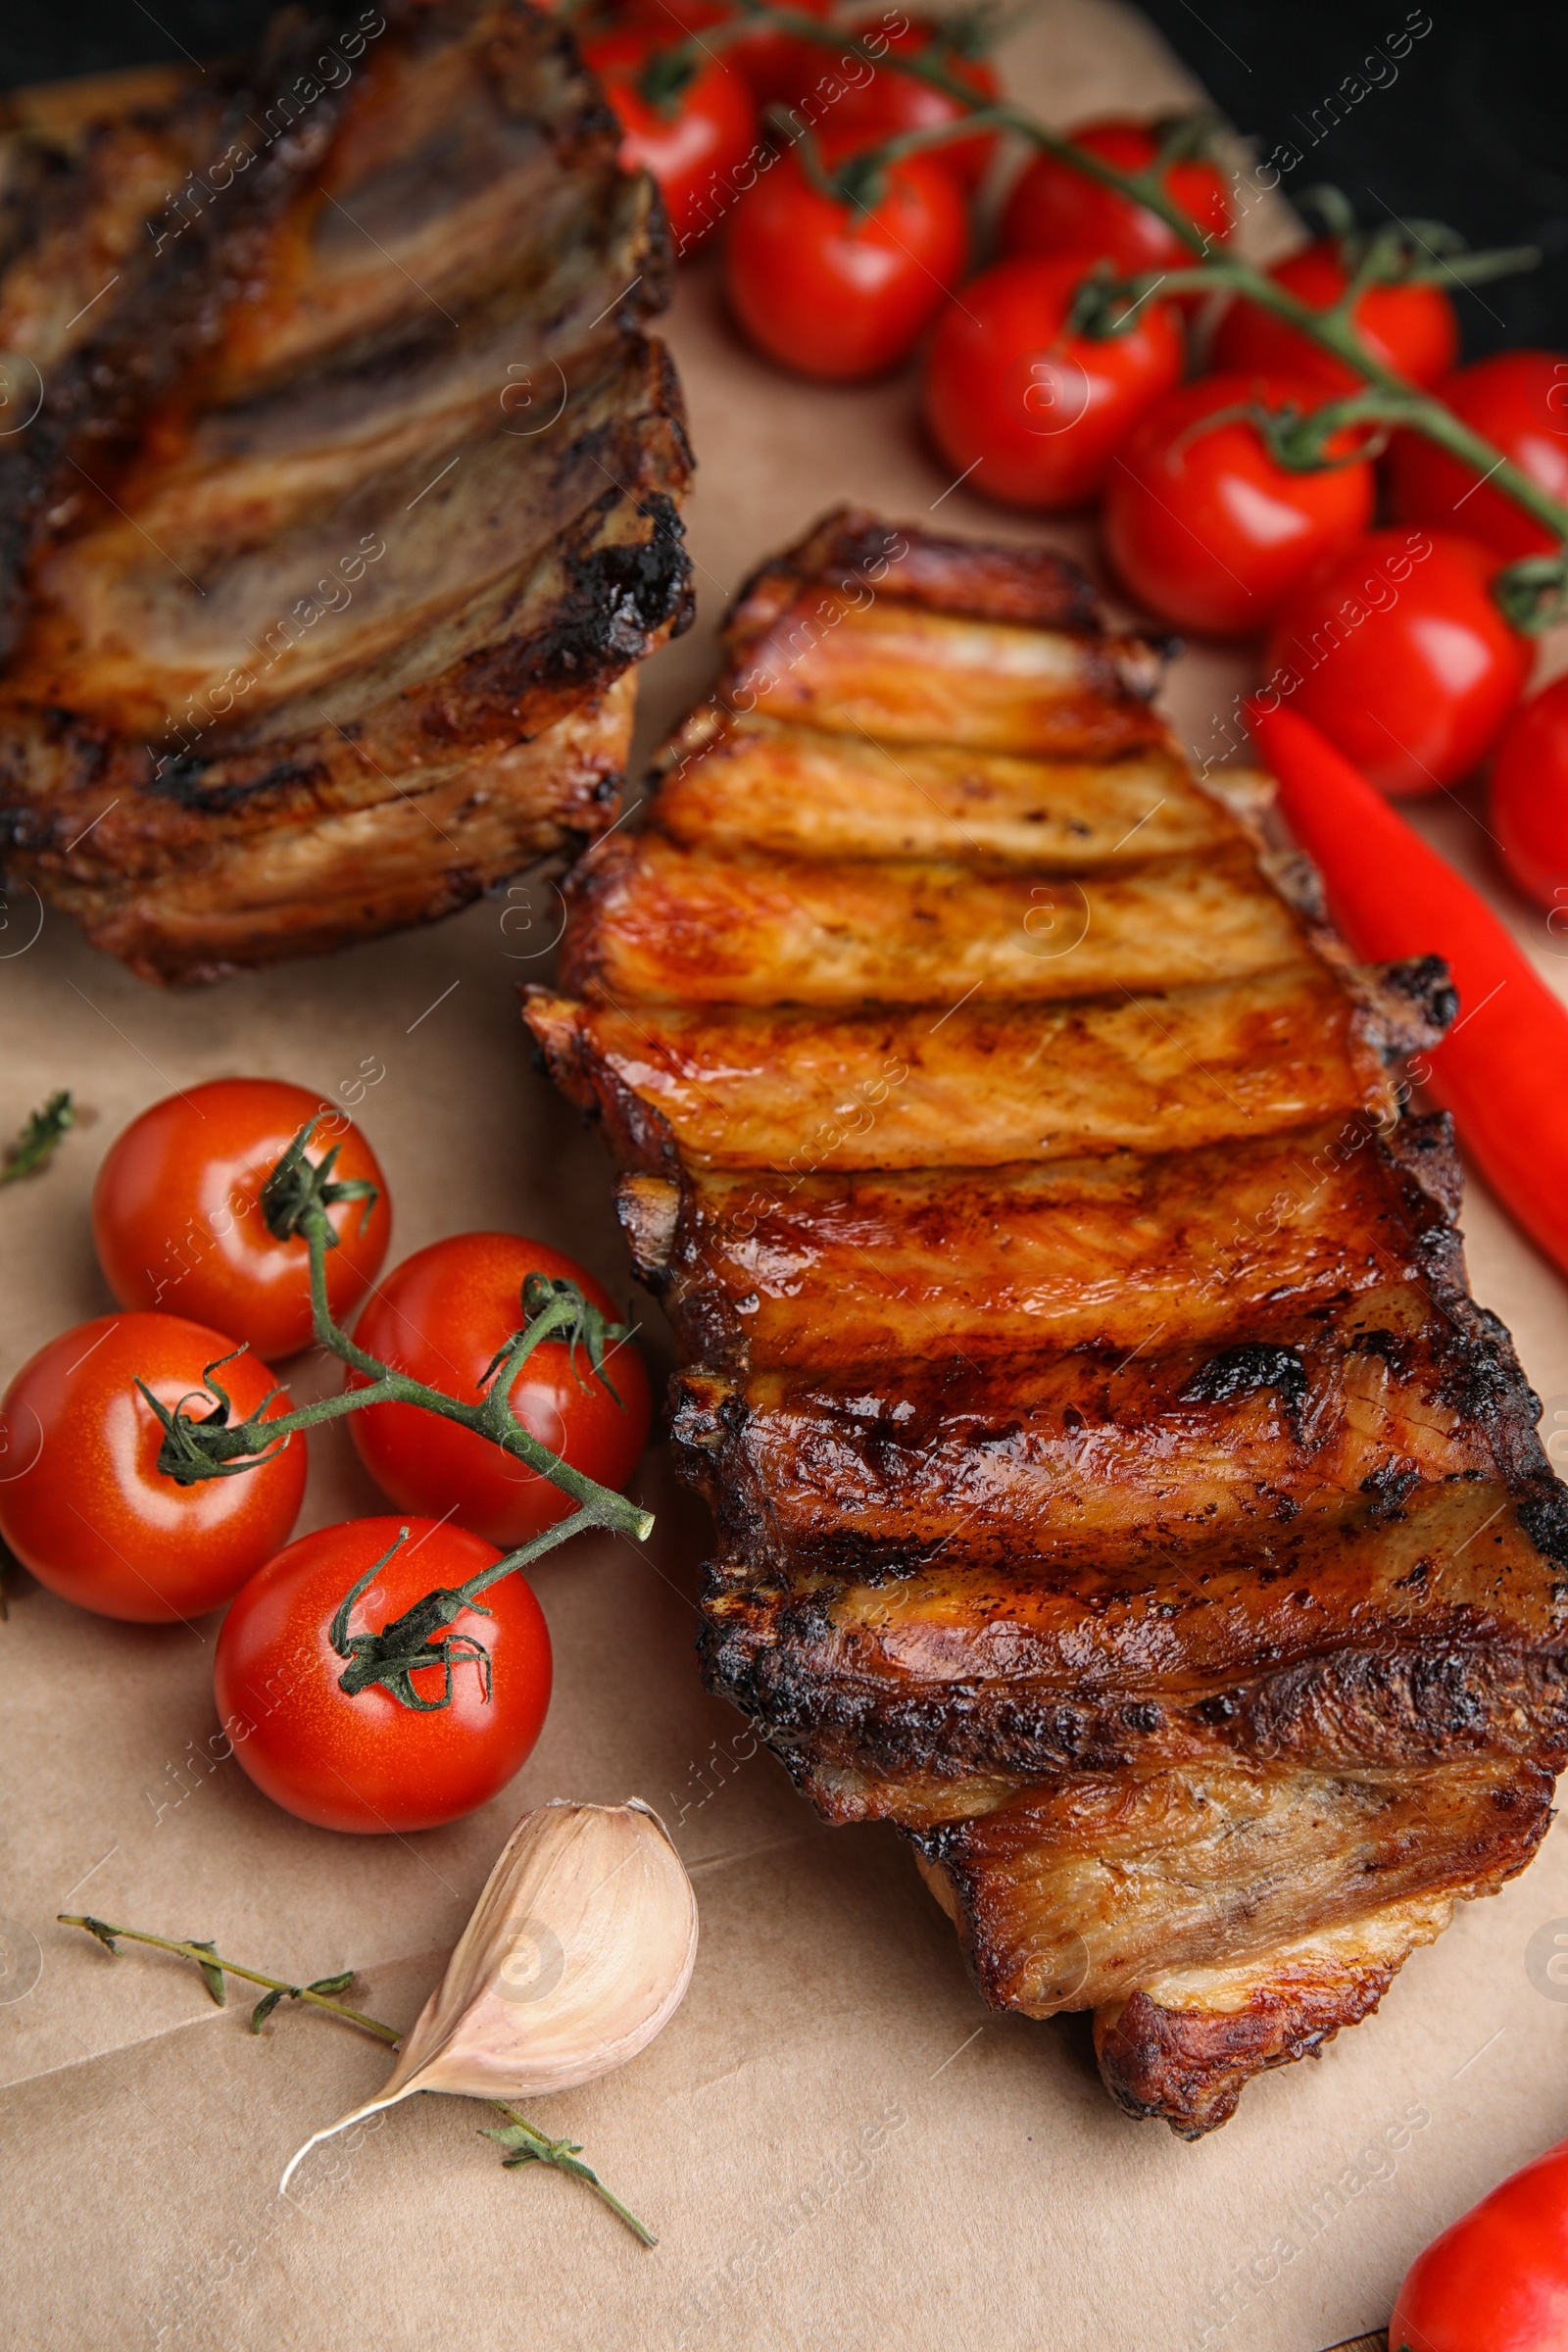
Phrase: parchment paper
x=838 y=2143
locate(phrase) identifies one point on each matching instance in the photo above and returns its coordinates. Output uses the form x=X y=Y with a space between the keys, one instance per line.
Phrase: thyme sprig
x=524 y=2142
x=39 y=1140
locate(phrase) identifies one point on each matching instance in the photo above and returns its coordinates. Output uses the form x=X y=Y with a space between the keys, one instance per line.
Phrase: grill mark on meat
x=1238 y=1371
x=185 y=780
x=1063 y=1459
x=1117 y=1488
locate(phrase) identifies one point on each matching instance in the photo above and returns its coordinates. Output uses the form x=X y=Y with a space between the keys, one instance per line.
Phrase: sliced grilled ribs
x=1117 y=1488
x=350 y=507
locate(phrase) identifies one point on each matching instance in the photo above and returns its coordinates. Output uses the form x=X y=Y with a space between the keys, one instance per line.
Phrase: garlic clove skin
x=579 y=1951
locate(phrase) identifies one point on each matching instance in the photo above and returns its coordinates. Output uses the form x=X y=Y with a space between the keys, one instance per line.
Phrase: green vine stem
x=1532 y=592
x=295 y=1200
x=526 y=2142
x=409 y=1644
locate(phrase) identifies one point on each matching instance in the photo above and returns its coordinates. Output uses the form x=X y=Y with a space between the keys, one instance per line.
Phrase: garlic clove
x=579 y=1950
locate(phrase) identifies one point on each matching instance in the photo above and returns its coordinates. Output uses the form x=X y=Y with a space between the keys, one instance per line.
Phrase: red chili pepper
x=1503 y=1069
x=1497 y=2281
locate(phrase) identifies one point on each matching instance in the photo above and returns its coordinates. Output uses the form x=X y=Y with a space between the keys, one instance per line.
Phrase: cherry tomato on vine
x=1530 y=799
x=442 y=1316
x=1496 y=2279
x=778 y=67
x=1028 y=411
x=82 y=1502
x=1054 y=209
x=693 y=139
x=1399 y=656
x=1518 y=401
x=177 y=1220
x=891 y=102
x=368 y=1762
x=1203 y=524
x=1411 y=329
x=839 y=290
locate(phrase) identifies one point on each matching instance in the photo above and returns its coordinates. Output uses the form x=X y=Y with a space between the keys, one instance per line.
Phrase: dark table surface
x=1468 y=126
x=1452 y=112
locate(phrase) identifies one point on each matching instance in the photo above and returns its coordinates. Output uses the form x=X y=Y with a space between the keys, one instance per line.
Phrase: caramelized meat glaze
x=1116 y=1485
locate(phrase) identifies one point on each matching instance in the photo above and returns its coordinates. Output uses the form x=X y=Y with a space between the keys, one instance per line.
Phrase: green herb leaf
x=263 y=2010
x=530 y=2146
x=36 y=1145
x=339 y=1984
x=105 y=1934
x=211 y=1974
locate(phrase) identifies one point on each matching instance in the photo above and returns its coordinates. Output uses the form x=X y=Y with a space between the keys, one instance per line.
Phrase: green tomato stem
x=302 y=1191
x=1331 y=329
x=194 y=1450
x=1390 y=398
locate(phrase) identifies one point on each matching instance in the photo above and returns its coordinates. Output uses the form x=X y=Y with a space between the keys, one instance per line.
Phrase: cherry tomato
x=694 y=141
x=1530 y=798
x=836 y=290
x=369 y=1762
x=1497 y=2281
x=1054 y=209
x=1030 y=413
x=779 y=67
x=1204 y=528
x=177 y=1222
x=890 y=102
x=1400 y=657
x=1411 y=329
x=441 y=1318
x=1517 y=401
x=82 y=1502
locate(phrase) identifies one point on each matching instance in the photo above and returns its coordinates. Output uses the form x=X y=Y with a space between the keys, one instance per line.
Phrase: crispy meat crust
x=853 y=550
x=324 y=632
x=1117 y=1487
x=829 y=1270
x=1189 y=2063
x=753 y=783
x=1352 y=1636
x=1080 y=1888
x=1084 y=1460
x=790 y=1091
x=674 y=926
x=206 y=895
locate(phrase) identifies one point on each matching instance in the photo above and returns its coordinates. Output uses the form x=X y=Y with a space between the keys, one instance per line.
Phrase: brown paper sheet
x=836 y=2141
